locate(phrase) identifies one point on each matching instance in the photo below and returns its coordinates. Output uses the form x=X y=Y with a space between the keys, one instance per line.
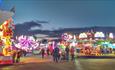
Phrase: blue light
x=113 y=46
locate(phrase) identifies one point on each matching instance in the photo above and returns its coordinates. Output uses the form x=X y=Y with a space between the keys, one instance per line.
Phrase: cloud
x=32 y=24
x=25 y=28
x=41 y=21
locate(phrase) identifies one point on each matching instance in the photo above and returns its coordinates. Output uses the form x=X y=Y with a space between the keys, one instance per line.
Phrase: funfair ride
x=6 y=33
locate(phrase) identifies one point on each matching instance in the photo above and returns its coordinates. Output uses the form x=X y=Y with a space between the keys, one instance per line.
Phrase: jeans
x=67 y=57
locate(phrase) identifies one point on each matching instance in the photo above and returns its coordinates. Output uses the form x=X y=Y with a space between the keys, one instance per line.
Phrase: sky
x=63 y=13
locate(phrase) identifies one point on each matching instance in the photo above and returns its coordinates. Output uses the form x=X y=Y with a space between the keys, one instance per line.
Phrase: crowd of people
x=66 y=54
x=60 y=54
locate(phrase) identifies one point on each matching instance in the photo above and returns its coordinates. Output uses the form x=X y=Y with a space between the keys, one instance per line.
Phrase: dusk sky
x=63 y=13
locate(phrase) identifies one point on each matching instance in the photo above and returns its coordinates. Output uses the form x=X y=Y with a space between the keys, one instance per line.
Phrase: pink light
x=26 y=43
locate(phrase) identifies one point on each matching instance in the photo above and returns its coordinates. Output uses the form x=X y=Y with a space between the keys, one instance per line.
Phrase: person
x=48 y=51
x=18 y=55
x=72 y=50
x=114 y=50
x=14 y=56
x=67 y=53
x=63 y=55
x=56 y=54
x=43 y=52
x=24 y=53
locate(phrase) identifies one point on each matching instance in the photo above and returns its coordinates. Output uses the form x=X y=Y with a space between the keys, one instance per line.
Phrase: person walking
x=18 y=55
x=72 y=50
x=63 y=55
x=43 y=52
x=48 y=52
x=67 y=53
x=14 y=56
x=56 y=54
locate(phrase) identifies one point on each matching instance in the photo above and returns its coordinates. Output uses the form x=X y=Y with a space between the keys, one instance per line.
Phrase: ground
x=97 y=64
x=37 y=63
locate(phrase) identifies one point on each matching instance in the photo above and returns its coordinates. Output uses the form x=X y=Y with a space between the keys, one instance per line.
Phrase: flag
x=13 y=9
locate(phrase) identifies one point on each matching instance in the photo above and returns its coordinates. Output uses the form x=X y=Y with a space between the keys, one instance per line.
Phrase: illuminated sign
x=82 y=35
x=99 y=35
x=111 y=35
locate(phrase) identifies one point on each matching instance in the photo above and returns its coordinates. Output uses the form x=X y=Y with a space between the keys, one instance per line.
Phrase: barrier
x=6 y=60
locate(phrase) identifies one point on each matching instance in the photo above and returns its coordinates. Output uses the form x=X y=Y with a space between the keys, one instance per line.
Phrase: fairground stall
x=89 y=43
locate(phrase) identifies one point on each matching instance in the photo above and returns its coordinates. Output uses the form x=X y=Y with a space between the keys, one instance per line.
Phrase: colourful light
x=27 y=43
x=99 y=35
x=82 y=35
x=113 y=45
x=111 y=35
x=65 y=36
